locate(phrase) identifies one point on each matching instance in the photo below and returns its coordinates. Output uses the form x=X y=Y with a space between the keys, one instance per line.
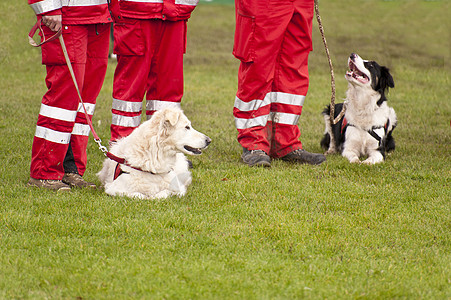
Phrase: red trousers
x=150 y=62
x=273 y=40
x=62 y=127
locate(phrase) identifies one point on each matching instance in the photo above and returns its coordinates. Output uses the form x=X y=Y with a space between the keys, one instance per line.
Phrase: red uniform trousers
x=273 y=40
x=61 y=120
x=150 y=61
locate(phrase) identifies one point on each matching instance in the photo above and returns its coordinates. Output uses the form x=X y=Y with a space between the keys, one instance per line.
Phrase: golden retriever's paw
x=163 y=194
x=138 y=196
x=355 y=160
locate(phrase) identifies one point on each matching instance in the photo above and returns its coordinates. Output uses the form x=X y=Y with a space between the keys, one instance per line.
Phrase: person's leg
x=260 y=27
x=133 y=45
x=58 y=109
x=291 y=81
x=291 y=85
x=54 y=126
x=165 y=80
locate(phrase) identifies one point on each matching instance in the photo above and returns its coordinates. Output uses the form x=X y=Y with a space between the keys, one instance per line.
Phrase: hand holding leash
x=53 y=22
x=37 y=26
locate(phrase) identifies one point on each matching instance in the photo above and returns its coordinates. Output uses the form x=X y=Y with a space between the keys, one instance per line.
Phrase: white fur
x=363 y=112
x=157 y=148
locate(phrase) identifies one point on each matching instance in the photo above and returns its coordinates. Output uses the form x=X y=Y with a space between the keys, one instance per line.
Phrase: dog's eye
x=187 y=128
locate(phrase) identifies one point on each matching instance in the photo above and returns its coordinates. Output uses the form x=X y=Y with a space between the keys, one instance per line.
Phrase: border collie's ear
x=386 y=79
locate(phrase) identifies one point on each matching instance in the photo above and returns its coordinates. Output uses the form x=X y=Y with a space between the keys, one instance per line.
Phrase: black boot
x=304 y=157
x=256 y=158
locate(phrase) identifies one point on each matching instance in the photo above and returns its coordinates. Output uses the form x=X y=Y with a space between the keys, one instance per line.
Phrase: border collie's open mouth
x=355 y=73
x=195 y=151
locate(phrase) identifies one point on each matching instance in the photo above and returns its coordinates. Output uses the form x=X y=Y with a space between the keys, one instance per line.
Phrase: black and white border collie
x=367 y=126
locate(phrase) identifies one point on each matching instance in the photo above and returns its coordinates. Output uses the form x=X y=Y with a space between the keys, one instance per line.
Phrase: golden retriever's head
x=175 y=130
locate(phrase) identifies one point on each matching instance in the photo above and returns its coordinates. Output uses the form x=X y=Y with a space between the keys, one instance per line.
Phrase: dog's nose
x=208 y=141
x=352 y=56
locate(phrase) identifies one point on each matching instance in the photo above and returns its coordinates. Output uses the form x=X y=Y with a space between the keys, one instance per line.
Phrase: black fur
x=336 y=129
x=390 y=141
x=381 y=79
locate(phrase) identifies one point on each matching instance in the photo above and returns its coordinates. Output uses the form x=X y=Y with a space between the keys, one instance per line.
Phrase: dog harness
x=121 y=161
x=371 y=132
x=118 y=171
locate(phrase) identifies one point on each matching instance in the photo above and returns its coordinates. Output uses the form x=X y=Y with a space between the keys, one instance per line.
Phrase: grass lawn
x=293 y=231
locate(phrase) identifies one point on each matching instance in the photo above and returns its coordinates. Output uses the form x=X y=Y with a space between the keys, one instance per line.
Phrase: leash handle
x=38 y=25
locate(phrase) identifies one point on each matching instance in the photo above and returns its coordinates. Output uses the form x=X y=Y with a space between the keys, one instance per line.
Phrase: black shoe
x=304 y=157
x=256 y=158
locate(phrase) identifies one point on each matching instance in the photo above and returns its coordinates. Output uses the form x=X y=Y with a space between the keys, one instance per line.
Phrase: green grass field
x=337 y=231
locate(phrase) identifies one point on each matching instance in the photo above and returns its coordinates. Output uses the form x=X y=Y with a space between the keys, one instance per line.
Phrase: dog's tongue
x=356 y=74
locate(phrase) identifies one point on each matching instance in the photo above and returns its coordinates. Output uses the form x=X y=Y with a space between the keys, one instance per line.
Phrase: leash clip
x=101 y=147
